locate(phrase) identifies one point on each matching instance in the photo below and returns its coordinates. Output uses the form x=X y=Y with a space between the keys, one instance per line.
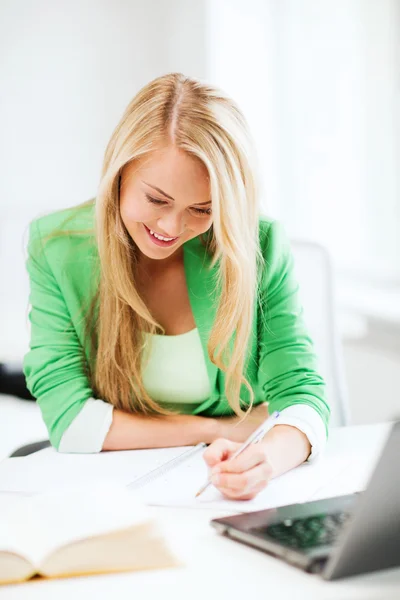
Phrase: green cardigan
x=282 y=366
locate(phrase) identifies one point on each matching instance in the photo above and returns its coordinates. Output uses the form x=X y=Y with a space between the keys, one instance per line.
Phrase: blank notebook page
x=178 y=486
x=49 y=470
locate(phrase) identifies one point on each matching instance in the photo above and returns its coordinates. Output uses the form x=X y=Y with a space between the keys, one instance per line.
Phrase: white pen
x=255 y=437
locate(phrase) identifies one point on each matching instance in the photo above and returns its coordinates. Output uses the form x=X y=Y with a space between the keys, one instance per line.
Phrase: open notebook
x=93 y=529
x=176 y=482
x=172 y=476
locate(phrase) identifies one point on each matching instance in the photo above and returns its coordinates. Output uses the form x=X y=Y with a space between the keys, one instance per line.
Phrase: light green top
x=175 y=373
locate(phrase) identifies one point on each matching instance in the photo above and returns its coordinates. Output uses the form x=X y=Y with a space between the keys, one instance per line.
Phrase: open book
x=97 y=529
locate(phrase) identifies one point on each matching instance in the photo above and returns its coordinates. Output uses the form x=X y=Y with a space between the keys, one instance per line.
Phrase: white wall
x=67 y=71
x=318 y=80
x=242 y=60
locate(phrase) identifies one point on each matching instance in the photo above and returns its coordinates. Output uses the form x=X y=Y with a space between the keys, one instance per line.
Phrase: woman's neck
x=152 y=267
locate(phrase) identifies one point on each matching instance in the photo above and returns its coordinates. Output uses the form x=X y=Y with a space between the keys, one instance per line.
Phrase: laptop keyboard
x=318 y=530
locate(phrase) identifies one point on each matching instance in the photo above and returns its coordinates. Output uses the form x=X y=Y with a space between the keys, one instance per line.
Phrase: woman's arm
x=129 y=431
x=54 y=365
x=288 y=366
x=285 y=447
x=288 y=374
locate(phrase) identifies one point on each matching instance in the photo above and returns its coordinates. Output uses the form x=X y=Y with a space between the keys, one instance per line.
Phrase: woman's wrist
x=286 y=447
x=212 y=429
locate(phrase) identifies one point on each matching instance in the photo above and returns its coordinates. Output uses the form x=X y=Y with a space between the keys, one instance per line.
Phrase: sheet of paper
x=178 y=487
x=48 y=470
x=361 y=447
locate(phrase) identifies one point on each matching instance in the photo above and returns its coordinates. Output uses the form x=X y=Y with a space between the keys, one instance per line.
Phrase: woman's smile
x=158 y=239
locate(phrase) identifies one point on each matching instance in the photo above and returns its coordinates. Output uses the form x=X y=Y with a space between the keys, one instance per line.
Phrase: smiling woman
x=166 y=312
x=154 y=217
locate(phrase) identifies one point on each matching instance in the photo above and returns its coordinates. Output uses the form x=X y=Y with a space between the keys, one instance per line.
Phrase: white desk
x=218 y=568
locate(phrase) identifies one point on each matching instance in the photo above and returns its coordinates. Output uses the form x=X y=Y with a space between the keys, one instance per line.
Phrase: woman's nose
x=171 y=225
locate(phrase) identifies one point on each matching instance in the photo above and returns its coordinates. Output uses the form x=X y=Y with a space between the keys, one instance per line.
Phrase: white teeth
x=160 y=237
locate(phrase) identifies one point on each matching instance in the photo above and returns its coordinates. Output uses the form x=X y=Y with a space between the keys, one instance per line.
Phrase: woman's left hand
x=241 y=478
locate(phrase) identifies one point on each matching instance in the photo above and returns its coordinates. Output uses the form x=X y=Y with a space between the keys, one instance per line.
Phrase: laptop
x=337 y=537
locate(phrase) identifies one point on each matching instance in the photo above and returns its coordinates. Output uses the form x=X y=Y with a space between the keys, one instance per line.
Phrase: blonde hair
x=203 y=121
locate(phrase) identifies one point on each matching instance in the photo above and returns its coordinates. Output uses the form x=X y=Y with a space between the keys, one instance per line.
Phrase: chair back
x=315 y=276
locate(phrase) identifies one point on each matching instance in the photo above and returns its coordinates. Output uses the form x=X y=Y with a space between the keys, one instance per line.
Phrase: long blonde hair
x=203 y=121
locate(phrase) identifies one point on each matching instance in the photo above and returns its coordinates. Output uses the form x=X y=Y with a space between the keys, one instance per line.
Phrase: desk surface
x=218 y=568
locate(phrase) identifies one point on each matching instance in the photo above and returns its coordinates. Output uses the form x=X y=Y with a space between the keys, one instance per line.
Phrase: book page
x=17 y=528
x=14 y=568
x=139 y=547
x=179 y=486
x=49 y=470
x=42 y=523
x=12 y=525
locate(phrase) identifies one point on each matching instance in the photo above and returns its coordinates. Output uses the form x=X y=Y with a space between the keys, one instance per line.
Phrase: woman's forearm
x=132 y=432
x=286 y=448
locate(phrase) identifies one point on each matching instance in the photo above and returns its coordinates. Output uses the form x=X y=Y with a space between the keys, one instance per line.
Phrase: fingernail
x=215 y=479
x=215 y=470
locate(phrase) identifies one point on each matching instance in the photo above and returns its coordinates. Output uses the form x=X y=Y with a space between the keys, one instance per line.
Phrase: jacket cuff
x=87 y=432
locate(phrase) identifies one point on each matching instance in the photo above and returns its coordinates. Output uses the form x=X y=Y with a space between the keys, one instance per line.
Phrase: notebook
x=172 y=476
x=49 y=470
x=176 y=482
x=92 y=529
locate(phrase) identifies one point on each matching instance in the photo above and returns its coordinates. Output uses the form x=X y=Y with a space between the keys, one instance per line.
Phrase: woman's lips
x=158 y=242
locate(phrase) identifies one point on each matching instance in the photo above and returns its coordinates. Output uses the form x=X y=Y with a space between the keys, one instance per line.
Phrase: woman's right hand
x=238 y=429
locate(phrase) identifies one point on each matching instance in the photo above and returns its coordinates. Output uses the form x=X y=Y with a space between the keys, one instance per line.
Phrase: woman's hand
x=243 y=477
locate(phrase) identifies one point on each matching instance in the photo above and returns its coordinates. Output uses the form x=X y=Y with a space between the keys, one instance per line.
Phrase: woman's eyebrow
x=170 y=197
x=158 y=190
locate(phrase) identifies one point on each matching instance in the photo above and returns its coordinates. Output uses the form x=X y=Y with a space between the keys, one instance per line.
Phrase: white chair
x=315 y=276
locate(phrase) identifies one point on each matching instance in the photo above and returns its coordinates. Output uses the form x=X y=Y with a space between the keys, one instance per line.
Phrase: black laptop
x=337 y=537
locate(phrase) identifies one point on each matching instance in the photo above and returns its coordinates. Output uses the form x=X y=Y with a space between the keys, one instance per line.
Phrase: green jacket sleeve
x=54 y=366
x=288 y=368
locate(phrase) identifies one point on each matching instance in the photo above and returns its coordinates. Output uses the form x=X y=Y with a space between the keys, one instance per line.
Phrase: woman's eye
x=154 y=200
x=199 y=211
x=202 y=211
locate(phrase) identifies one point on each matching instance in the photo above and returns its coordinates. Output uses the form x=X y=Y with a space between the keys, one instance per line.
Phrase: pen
x=255 y=437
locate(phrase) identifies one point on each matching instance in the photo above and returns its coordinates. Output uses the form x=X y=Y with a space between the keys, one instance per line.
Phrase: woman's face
x=165 y=201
